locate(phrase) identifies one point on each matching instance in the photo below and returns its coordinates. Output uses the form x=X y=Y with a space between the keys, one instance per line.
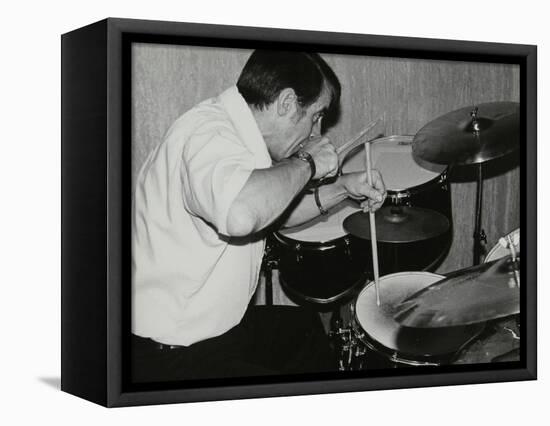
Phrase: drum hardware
x=269 y=263
x=468 y=296
x=349 y=352
x=480 y=238
x=515 y=336
x=297 y=247
x=515 y=267
x=502 y=247
x=341 y=338
x=471 y=136
x=347 y=246
x=399 y=197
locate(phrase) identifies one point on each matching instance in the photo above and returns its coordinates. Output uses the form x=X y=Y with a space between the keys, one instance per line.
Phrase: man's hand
x=324 y=155
x=357 y=187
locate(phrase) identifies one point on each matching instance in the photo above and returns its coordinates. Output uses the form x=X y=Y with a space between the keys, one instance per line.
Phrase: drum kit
x=467 y=316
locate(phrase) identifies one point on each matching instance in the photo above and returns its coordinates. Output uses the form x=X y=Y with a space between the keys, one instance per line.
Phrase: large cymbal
x=469 y=135
x=398 y=224
x=469 y=296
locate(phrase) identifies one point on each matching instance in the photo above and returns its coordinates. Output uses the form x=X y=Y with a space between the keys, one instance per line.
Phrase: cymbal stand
x=480 y=238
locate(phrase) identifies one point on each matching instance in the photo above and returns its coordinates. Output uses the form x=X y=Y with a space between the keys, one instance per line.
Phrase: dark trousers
x=269 y=340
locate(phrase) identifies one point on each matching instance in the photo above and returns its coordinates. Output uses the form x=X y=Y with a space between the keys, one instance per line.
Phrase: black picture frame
x=96 y=207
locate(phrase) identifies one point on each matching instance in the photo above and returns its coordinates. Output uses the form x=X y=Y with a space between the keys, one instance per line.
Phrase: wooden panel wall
x=406 y=94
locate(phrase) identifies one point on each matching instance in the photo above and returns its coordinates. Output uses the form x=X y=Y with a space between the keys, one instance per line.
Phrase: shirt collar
x=241 y=116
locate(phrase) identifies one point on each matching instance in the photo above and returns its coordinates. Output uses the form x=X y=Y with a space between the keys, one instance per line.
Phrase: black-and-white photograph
x=301 y=212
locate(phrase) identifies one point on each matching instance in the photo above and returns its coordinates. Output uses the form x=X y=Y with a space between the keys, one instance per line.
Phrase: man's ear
x=287 y=102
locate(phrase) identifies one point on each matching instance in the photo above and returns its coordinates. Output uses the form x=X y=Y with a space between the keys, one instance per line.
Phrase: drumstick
x=373 y=229
x=341 y=151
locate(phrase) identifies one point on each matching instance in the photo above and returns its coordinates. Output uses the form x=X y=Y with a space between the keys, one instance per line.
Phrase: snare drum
x=412 y=182
x=499 y=251
x=374 y=326
x=319 y=262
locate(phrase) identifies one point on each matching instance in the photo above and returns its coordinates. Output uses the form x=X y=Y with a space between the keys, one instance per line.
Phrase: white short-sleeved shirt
x=191 y=281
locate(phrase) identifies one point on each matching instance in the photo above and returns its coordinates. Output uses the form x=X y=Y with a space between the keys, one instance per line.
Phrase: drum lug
x=347 y=250
x=402 y=198
x=298 y=248
x=443 y=181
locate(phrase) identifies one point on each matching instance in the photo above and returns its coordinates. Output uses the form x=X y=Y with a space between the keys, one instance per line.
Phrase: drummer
x=225 y=172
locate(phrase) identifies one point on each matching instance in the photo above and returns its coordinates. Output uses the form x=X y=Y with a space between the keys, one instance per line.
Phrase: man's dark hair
x=268 y=72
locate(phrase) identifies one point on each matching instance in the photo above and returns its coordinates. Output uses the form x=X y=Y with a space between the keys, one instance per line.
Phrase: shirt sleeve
x=215 y=168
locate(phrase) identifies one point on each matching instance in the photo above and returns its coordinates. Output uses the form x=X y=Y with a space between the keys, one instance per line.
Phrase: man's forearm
x=307 y=209
x=266 y=195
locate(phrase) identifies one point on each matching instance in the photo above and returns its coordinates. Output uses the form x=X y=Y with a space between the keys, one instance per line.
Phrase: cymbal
x=401 y=224
x=468 y=296
x=470 y=135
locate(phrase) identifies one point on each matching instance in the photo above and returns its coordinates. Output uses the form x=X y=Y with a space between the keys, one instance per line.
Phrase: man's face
x=299 y=125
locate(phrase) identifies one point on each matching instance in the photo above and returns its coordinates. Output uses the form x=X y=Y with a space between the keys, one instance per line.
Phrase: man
x=226 y=171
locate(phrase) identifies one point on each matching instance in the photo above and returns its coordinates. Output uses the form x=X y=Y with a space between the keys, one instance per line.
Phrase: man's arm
x=352 y=185
x=268 y=192
x=266 y=195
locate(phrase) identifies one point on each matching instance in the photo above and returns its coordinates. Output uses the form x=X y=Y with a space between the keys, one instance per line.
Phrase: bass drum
x=319 y=263
x=409 y=182
x=388 y=344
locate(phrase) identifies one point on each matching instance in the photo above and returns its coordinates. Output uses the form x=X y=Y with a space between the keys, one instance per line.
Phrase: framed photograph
x=253 y=212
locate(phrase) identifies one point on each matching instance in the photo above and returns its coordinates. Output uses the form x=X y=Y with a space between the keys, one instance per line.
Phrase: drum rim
x=413 y=190
x=319 y=301
x=394 y=274
x=392 y=354
x=312 y=245
x=412 y=359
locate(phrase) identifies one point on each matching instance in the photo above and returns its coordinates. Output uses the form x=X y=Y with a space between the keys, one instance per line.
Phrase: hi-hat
x=470 y=135
x=468 y=296
x=398 y=224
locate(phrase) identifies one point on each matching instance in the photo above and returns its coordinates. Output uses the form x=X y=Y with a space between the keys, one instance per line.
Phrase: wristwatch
x=306 y=156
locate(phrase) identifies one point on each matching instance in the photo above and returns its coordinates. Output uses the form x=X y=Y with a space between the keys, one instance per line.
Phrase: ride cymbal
x=400 y=224
x=470 y=135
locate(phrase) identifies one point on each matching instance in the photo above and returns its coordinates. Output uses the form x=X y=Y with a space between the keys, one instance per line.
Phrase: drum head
x=392 y=156
x=378 y=323
x=498 y=251
x=323 y=228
